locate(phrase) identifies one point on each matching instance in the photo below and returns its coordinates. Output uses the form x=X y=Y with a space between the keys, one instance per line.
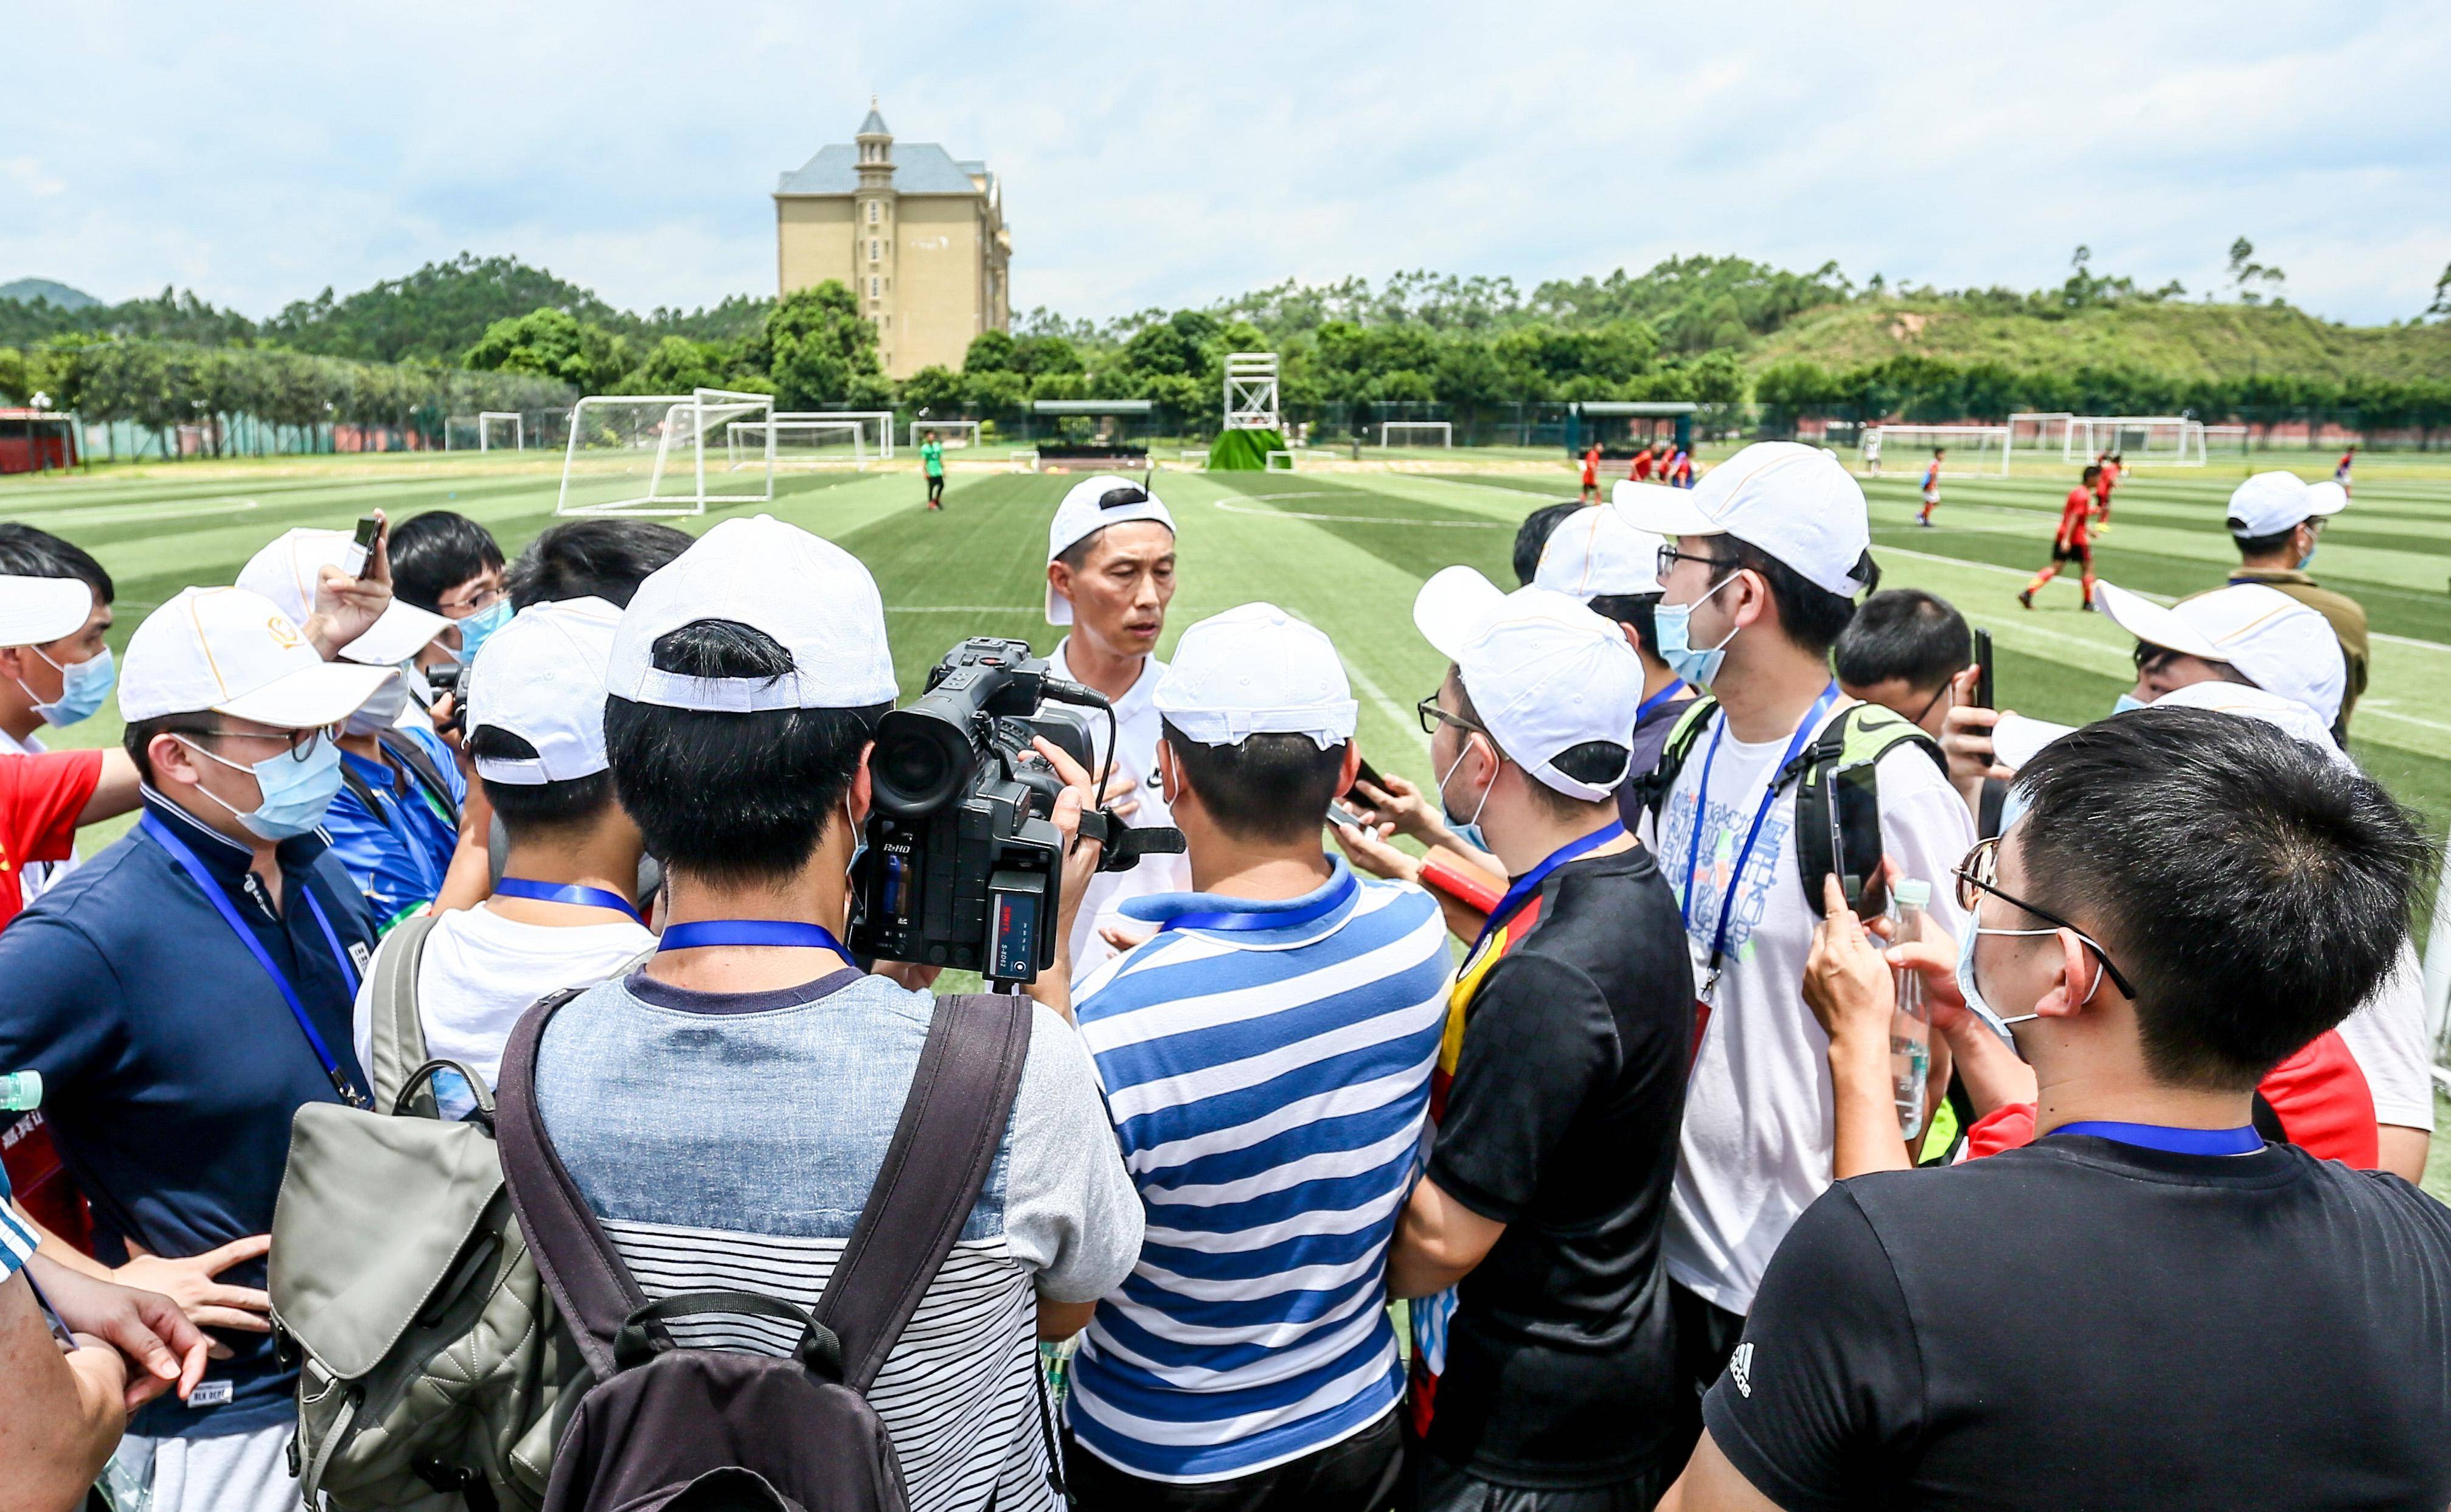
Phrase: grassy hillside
x=2190 y=341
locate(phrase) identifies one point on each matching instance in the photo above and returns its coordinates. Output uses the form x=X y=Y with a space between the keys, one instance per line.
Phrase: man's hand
x=917 y=975
x=1366 y=846
x=1848 y=985
x=1054 y=985
x=163 y=1349
x=1400 y=806
x=1991 y=1072
x=346 y=607
x=1966 y=740
x=206 y=1302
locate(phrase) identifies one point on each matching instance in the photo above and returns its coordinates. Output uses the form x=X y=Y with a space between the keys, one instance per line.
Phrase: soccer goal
x=799 y=444
x=501 y=430
x=1416 y=433
x=2140 y=440
x=950 y=433
x=2039 y=430
x=1973 y=451
x=649 y=454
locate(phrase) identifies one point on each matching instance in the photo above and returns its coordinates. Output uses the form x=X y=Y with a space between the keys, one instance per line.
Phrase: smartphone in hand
x=361 y=545
x=1983 y=668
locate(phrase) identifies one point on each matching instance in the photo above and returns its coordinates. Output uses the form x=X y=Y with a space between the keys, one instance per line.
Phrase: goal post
x=647 y=455
x=501 y=430
x=796 y=443
x=951 y=434
x=2138 y=440
x=1402 y=433
x=2039 y=430
x=1973 y=451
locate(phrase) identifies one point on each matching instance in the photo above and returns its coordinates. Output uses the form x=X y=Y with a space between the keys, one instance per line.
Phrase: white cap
x=1545 y=673
x=1083 y=515
x=542 y=678
x=235 y=652
x=811 y=595
x=2269 y=503
x=1256 y=670
x=2293 y=718
x=2015 y=738
x=1594 y=552
x=1797 y=502
x=2275 y=641
x=285 y=572
x=36 y=611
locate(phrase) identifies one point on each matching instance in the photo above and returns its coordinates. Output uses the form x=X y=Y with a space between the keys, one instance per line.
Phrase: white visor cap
x=287 y=571
x=2269 y=503
x=1594 y=552
x=2274 y=642
x=1797 y=502
x=1545 y=673
x=235 y=652
x=1256 y=670
x=37 y=611
x=542 y=678
x=810 y=596
x=1083 y=514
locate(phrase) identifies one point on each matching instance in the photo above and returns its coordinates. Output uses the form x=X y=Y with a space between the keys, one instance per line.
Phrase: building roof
x=919 y=168
x=874 y=125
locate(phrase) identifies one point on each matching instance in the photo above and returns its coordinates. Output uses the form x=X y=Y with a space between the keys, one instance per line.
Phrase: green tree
x=1043 y=354
x=553 y=343
x=938 y=391
x=825 y=351
x=990 y=352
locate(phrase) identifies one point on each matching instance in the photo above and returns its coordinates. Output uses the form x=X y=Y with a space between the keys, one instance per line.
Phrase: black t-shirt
x=2086 y=1324
x=1562 y=1124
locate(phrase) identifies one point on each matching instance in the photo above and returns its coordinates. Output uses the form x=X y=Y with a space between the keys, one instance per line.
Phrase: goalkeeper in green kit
x=931 y=461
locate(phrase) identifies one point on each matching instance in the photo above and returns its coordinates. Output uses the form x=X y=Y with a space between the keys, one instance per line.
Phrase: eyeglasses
x=1670 y=556
x=302 y=742
x=1974 y=877
x=477 y=602
x=1432 y=717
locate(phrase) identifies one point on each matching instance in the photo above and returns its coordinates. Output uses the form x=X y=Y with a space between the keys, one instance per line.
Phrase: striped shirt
x=17 y=1237
x=1268 y=1083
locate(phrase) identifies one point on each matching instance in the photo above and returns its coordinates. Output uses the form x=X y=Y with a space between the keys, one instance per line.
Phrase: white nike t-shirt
x=1136 y=736
x=2386 y=1036
x=1759 y=1108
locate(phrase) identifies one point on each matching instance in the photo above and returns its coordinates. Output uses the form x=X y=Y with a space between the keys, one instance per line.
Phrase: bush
x=1244 y=451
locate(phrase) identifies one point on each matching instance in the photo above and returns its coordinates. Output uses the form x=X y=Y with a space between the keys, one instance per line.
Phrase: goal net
x=501 y=430
x=1416 y=433
x=2138 y=441
x=949 y=433
x=650 y=454
x=1968 y=451
x=2039 y=430
x=797 y=445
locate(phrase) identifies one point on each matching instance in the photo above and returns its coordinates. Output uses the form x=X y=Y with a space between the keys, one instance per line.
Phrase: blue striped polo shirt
x=1268 y=1083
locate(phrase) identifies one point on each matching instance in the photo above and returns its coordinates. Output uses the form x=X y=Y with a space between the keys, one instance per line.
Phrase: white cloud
x=1168 y=156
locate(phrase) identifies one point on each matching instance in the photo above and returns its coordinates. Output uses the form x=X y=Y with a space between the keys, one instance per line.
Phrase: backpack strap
x=945 y=1145
x=398 y=1044
x=1651 y=789
x=1858 y=737
x=421 y=765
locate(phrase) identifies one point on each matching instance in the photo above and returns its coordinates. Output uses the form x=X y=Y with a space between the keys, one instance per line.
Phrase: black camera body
x=963 y=867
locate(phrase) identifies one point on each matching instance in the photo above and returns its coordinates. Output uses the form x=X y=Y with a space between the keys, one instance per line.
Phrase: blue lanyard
x=1529 y=883
x=1644 y=708
x=212 y=889
x=2241 y=1141
x=1804 y=731
x=750 y=931
x=1339 y=893
x=565 y=893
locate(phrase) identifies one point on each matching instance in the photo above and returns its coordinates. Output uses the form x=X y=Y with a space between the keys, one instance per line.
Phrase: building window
x=871 y=212
x=875 y=287
x=875 y=249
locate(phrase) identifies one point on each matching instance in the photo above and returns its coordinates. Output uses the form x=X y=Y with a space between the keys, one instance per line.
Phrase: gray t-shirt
x=729 y=1140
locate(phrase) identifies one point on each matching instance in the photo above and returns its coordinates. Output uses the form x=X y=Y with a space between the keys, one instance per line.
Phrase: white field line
x=1358 y=519
x=71 y=515
x=1402 y=717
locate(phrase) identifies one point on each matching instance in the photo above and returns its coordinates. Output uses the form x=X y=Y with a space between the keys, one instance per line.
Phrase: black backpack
x=672 y=1429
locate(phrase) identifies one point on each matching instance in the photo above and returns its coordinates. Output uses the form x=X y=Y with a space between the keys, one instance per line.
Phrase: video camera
x=963 y=868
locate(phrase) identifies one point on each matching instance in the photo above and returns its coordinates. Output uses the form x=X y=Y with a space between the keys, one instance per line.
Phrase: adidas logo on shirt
x=1740 y=1366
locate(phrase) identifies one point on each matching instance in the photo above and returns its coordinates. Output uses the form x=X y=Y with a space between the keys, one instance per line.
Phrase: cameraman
x=1109 y=577
x=725 y=1109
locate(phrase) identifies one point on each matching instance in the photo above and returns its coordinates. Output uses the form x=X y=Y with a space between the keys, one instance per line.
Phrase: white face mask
x=1973 y=994
x=380 y=712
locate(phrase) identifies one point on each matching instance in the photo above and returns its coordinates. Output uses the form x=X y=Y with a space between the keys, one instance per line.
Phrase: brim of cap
x=2154 y=625
x=1668 y=512
x=403 y=632
x=2331 y=501
x=2016 y=740
x=326 y=693
x=36 y=611
x=1451 y=606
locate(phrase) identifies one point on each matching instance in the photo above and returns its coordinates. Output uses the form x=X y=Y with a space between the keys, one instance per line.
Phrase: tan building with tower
x=916 y=233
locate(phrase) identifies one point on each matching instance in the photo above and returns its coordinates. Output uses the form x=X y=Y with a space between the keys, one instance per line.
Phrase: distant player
x=1680 y=469
x=1932 y=487
x=1592 y=474
x=931 y=461
x=1873 y=450
x=1644 y=462
x=2108 y=469
x=2341 y=473
x=2074 y=542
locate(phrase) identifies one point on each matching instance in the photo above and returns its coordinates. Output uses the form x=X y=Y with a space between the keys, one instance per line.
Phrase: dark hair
x=1907 y=633
x=2091 y=473
x=2262 y=546
x=1592 y=761
x=1076 y=555
x=534 y=808
x=1634 y=609
x=1533 y=535
x=732 y=797
x=140 y=734
x=592 y=559
x=1811 y=615
x=1271 y=788
x=26 y=552
x=2254 y=889
x=434 y=552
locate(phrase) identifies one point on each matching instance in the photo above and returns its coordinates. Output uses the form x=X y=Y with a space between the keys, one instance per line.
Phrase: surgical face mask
x=380 y=712
x=2308 y=560
x=295 y=792
x=83 y=686
x=477 y=628
x=1673 y=624
x=1973 y=994
x=2127 y=701
x=1471 y=834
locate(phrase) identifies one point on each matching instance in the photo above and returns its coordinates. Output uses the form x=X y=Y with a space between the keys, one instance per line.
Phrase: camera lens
x=913 y=768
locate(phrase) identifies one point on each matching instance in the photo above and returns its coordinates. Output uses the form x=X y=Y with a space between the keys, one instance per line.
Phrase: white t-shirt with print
x=2386 y=1036
x=1759 y=1108
x=1136 y=736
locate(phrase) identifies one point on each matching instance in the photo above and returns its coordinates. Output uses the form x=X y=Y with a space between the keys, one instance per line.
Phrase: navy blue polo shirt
x=171 y=1065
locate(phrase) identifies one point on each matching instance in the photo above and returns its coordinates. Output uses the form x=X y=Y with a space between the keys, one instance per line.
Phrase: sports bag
x=666 y=1428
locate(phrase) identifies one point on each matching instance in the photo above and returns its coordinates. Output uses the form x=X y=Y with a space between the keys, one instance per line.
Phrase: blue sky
x=1166 y=153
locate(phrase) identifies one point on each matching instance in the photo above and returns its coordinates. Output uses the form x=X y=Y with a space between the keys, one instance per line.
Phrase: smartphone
x=1855 y=841
x=1983 y=668
x=1365 y=771
x=1339 y=814
x=361 y=545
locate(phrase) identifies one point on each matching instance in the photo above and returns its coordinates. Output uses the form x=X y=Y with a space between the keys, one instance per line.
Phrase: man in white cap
x=1770 y=552
x=2277 y=522
x=396 y=823
x=2249 y=633
x=1109 y=577
x=187 y=990
x=1544 y=1367
x=1208 y=1381
x=743 y=681
x=564 y=913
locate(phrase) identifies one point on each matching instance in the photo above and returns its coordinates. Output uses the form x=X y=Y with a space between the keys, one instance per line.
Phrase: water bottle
x=21 y=1091
x=1910 y=1023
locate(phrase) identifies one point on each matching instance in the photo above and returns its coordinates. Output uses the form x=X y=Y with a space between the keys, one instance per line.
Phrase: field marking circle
x=1228 y=506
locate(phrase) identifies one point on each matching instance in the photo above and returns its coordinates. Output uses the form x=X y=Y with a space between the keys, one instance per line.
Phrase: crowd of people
x=1555 y=1136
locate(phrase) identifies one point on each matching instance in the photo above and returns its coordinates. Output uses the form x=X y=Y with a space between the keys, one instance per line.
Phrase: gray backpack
x=434 y=1372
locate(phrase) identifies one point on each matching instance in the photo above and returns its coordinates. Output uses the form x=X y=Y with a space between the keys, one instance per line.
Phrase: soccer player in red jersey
x=2108 y=469
x=2074 y=542
x=1640 y=472
x=1592 y=474
x=2341 y=473
x=1931 y=485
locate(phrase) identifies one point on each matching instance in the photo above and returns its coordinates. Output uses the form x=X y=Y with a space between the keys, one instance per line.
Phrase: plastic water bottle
x=1911 y=1024
x=21 y=1091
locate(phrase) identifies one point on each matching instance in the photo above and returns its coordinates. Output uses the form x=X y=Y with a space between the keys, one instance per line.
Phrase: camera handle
x=1123 y=844
x=1063 y=690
